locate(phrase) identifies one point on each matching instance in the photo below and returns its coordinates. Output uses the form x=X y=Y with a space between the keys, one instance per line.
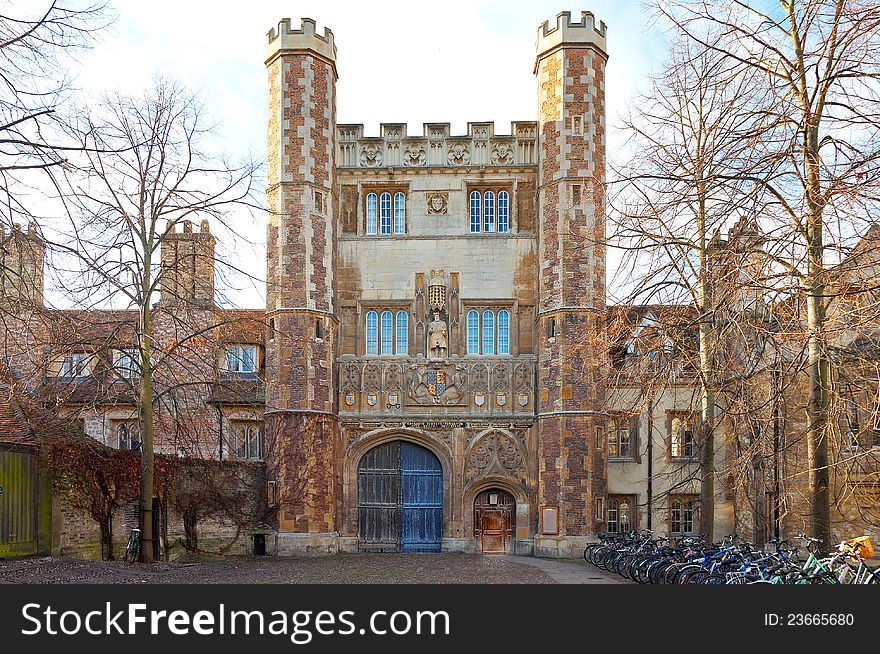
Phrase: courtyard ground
x=338 y=569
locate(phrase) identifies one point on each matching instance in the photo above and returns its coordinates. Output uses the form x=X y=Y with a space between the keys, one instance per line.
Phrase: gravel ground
x=339 y=568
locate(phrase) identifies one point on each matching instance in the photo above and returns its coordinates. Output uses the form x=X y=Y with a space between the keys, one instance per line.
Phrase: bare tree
x=145 y=169
x=819 y=140
x=671 y=200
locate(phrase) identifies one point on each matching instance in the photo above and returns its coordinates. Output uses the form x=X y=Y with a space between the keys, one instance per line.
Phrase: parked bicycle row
x=691 y=560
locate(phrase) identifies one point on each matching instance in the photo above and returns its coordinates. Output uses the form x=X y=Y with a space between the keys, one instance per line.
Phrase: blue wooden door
x=421 y=500
x=400 y=499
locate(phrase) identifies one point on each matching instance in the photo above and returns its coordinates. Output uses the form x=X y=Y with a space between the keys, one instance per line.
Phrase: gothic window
x=399 y=213
x=372 y=332
x=682 y=441
x=241 y=360
x=619 y=445
x=372 y=213
x=503 y=212
x=387 y=333
x=248 y=440
x=683 y=514
x=402 y=332
x=619 y=514
x=488 y=211
x=385 y=213
x=488 y=332
x=475 y=212
x=504 y=332
x=473 y=332
x=127 y=434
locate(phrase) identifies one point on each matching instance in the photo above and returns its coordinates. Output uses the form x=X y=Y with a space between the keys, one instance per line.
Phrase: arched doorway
x=494 y=520
x=400 y=499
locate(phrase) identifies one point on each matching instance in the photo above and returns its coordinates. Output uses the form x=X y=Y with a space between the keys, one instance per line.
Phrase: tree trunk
x=146 y=409
x=107 y=537
x=707 y=373
x=190 y=523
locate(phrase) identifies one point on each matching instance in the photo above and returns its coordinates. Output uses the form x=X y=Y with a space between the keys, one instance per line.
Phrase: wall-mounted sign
x=550 y=520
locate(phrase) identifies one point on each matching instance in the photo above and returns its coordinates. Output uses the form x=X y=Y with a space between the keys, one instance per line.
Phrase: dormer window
x=125 y=363
x=241 y=360
x=74 y=365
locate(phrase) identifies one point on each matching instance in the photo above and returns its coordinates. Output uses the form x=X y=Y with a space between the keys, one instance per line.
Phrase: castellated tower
x=301 y=428
x=570 y=70
x=21 y=266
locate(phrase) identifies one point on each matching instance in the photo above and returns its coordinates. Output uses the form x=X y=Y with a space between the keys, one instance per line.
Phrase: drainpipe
x=220 y=433
x=650 y=506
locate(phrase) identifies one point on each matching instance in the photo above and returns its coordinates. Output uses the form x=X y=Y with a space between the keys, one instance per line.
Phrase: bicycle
x=133 y=547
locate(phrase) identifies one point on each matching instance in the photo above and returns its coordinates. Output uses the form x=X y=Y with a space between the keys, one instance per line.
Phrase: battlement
x=566 y=31
x=187 y=229
x=394 y=147
x=305 y=38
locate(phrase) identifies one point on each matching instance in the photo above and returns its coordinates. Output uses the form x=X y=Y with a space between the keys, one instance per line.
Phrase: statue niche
x=438 y=331
x=438 y=338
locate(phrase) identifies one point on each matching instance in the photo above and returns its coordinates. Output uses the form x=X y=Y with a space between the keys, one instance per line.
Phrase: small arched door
x=400 y=499
x=494 y=521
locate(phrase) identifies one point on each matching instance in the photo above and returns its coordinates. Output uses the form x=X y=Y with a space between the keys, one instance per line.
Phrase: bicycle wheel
x=132 y=552
x=711 y=579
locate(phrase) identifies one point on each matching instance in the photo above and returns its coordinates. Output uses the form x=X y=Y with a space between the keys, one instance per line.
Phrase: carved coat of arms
x=436 y=381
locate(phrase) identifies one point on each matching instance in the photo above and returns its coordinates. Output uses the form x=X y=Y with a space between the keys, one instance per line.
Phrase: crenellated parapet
x=585 y=32
x=436 y=147
x=306 y=38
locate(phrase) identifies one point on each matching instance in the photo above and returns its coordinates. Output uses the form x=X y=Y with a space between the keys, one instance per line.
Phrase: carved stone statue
x=438 y=338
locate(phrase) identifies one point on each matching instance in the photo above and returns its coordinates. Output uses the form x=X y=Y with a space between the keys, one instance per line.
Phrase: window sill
x=621 y=459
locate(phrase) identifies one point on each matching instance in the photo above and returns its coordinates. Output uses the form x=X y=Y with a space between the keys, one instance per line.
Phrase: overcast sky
x=413 y=62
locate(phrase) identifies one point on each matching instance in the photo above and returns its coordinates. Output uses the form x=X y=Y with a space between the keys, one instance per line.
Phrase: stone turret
x=570 y=70
x=187 y=258
x=300 y=420
x=22 y=256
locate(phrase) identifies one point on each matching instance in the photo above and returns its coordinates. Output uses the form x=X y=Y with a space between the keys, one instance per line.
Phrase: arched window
x=387 y=333
x=504 y=332
x=372 y=213
x=488 y=211
x=402 y=332
x=503 y=212
x=488 y=332
x=399 y=213
x=385 y=213
x=372 y=332
x=476 y=217
x=473 y=332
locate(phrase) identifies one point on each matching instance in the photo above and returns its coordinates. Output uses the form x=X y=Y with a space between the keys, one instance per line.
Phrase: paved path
x=568 y=571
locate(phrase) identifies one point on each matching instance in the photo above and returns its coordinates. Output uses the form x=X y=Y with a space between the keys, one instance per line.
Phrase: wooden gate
x=494 y=514
x=400 y=499
x=18 y=523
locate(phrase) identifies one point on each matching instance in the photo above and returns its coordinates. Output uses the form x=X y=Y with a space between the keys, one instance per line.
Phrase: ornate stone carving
x=371 y=156
x=480 y=378
x=351 y=377
x=496 y=454
x=502 y=155
x=415 y=156
x=393 y=377
x=500 y=377
x=437 y=385
x=522 y=378
x=437 y=291
x=458 y=155
x=438 y=203
x=372 y=377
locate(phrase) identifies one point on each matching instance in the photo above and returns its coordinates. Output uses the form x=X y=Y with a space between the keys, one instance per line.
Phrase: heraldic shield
x=436 y=382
